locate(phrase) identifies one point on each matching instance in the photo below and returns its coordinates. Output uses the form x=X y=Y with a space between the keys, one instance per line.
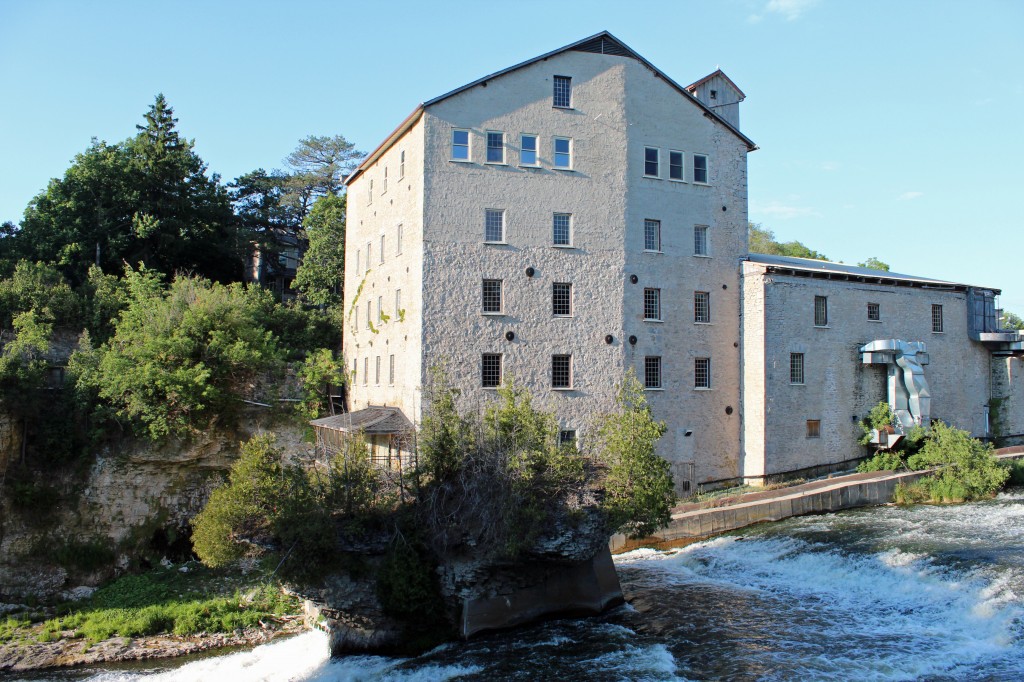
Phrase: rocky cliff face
x=133 y=503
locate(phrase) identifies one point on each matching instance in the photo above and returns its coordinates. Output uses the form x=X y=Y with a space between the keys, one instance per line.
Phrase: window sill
x=702 y=388
x=701 y=184
x=490 y=388
x=563 y=168
x=792 y=384
x=652 y=177
x=562 y=388
x=555 y=106
x=563 y=246
x=461 y=160
x=495 y=163
x=530 y=165
x=701 y=255
x=486 y=314
x=822 y=326
x=653 y=320
x=875 y=321
x=704 y=324
x=683 y=182
x=562 y=317
x=653 y=251
x=653 y=390
x=496 y=243
x=935 y=332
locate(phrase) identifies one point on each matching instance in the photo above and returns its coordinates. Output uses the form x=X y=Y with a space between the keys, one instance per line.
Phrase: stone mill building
x=582 y=213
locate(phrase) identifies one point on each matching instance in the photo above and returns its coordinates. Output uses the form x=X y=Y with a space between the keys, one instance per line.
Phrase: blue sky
x=886 y=129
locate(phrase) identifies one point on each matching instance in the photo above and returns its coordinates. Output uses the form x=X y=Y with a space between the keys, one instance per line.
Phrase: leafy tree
x=43 y=290
x=182 y=355
x=318 y=168
x=23 y=373
x=639 y=492
x=318 y=373
x=1011 y=321
x=147 y=199
x=322 y=271
x=874 y=264
x=762 y=240
x=970 y=470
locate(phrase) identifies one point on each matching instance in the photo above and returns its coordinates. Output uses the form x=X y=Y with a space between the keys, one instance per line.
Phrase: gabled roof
x=600 y=43
x=370 y=421
x=841 y=270
x=721 y=74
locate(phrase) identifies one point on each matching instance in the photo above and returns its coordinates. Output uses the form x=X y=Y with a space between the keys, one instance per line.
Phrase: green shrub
x=85 y=556
x=883 y=460
x=407 y=585
x=1016 y=476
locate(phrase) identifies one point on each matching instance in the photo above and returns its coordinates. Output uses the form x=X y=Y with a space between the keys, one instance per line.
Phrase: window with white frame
x=527 y=150
x=563 y=153
x=562 y=95
x=391 y=370
x=652 y=304
x=937 y=318
x=401 y=164
x=676 y=166
x=702 y=306
x=561 y=299
x=651 y=162
x=874 y=312
x=460 y=145
x=814 y=428
x=377 y=375
x=561 y=229
x=700 y=169
x=495 y=147
x=382 y=249
x=561 y=371
x=398 y=240
x=490 y=370
x=652 y=235
x=820 y=311
x=702 y=372
x=492 y=297
x=494 y=225
x=796 y=368
x=652 y=371
x=700 y=240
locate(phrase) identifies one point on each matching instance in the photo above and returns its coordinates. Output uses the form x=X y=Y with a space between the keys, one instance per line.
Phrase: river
x=884 y=593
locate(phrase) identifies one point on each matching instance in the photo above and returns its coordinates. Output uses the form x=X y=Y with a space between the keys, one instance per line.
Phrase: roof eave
x=390 y=140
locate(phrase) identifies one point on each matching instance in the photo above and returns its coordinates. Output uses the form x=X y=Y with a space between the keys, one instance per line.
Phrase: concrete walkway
x=696 y=521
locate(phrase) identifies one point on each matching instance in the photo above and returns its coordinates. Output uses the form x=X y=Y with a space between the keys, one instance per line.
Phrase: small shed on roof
x=384 y=428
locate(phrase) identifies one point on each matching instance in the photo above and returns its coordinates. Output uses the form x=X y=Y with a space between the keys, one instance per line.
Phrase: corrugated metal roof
x=371 y=420
x=827 y=267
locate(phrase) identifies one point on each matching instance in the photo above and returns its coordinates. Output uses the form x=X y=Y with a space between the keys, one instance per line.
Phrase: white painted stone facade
x=750 y=422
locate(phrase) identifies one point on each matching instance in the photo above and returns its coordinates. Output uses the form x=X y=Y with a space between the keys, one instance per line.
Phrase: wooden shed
x=387 y=431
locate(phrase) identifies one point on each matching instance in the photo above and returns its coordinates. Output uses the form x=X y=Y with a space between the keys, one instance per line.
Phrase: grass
x=162 y=601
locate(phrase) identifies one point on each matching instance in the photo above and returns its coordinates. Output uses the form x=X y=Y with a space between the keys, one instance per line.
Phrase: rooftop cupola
x=717 y=92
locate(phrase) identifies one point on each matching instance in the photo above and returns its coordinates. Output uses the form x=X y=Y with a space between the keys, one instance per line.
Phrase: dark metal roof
x=372 y=420
x=809 y=265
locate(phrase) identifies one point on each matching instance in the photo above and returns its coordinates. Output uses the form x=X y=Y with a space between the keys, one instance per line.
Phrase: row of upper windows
x=381 y=315
x=377 y=370
x=562 y=232
x=384 y=178
x=492 y=371
x=493 y=301
x=529 y=150
x=360 y=268
x=874 y=314
x=699 y=173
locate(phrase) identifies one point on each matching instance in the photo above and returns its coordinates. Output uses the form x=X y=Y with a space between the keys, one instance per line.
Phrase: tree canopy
x=762 y=240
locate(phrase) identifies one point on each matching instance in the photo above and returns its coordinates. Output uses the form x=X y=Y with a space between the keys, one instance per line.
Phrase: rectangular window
x=561 y=371
x=460 y=145
x=369 y=312
x=796 y=368
x=380 y=309
x=382 y=249
x=398 y=241
x=377 y=375
x=652 y=235
x=700 y=240
x=651 y=162
x=562 y=92
x=563 y=152
x=820 y=311
x=676 y=163
x=562 y=229
x=874 y=312
x=494 y=225
x=652 y=304
x=369 y=192
x=495 y=147
x=355 y=314
x=355 y=370
x=490 y=370
x=701 y=306
x=359 y=255
x=702 y=372
x=368 y=258
x=527 y=150
x=384 y=189
x=561 y=299
x=700 y=168
x=814 y=428
x=391 y=370
x=936 y=318
x=398 y=303
x=401 y=164
x=567 y=438
x=652 y=372
x=492 y=296
x=366 y=370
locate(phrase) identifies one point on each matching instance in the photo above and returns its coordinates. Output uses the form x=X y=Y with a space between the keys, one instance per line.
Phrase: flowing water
x=922 y=593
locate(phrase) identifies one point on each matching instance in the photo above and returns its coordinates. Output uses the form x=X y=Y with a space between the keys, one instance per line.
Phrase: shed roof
x=717 y=72
x=373 y=420
x=827 y=268
x=601 y=43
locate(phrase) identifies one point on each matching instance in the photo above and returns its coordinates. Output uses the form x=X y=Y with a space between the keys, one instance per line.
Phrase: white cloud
x=788 y=9
x=776 y=209
x=908 y=196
